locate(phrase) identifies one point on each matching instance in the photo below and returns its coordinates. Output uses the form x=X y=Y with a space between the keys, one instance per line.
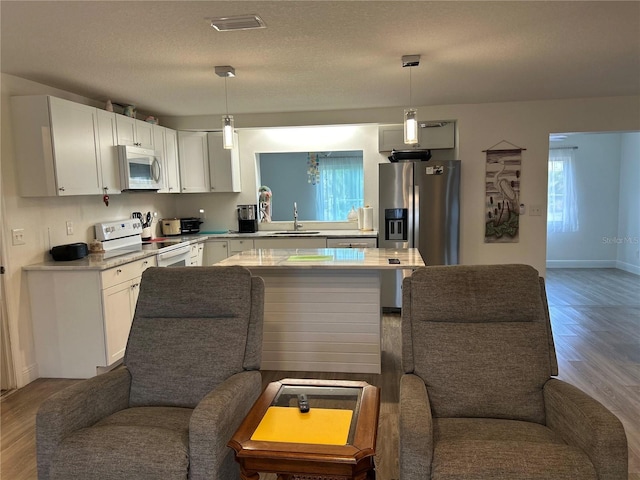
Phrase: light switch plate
x=535 y=210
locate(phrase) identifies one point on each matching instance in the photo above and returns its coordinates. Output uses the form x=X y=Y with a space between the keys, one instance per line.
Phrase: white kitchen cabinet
x=431 y=135
x=197 y=254
x=108 y=152
x=214 y=251
x=166 y=143
x=289 y=242
x=352 y=242
x=134 y=132
x=224 y=165
x=193 y=157
x=56 y=147
x=240 y=245
x=81 y=318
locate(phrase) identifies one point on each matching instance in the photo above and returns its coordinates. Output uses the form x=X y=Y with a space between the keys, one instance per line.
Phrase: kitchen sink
x=297 y=232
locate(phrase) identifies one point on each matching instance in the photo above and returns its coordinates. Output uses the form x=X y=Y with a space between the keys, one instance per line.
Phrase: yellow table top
x=322 y=426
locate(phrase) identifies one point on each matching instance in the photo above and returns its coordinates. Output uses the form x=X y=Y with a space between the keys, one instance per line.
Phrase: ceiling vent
x=239 y=22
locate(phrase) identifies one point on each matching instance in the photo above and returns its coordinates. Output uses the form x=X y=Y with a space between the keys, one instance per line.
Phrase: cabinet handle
x=145 y=263
x=118 y=272
x=61 y=189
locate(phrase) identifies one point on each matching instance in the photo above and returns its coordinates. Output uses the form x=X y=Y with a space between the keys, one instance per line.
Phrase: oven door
x=176 y=257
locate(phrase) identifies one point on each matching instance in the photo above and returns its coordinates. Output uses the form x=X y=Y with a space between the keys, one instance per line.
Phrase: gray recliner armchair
x=477 y=400
x=191 y=374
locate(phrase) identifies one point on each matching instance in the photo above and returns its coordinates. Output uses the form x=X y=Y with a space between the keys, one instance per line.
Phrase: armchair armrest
x=215 y=420
x=416 y=429
x=584 y=422
x=76 y=407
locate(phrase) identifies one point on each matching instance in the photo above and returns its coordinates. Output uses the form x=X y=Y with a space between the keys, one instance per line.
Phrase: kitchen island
x=322 y=306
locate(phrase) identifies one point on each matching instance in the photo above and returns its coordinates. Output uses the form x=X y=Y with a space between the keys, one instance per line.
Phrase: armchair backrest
x=193 y=328
x=480 y=338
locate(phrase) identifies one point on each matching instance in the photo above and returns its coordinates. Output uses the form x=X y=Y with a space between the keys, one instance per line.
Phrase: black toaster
x=70 y=251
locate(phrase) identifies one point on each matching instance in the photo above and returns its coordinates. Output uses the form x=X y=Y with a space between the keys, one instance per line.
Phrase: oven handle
x=174 y=253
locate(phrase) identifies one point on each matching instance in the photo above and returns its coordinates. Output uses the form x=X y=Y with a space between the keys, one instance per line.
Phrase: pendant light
x=226 y=71
x=410 y=114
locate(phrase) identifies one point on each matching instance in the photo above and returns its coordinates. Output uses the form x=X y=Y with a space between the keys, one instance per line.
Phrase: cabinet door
x=214 y=251
x=172 y=167
x=108 y=152
x=224 y=165
x=194 y=162
x=144 y=134
x=159 y=141
x=73 y=131
x=118 y=315
x=126 y=130
x=237 y=246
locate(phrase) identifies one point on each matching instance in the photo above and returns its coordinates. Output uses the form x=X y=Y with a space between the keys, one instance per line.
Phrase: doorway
x=593 y=201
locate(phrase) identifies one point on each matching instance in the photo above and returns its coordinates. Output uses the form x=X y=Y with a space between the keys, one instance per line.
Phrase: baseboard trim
x=582 y=264
x=29 y=374
x=627 y=267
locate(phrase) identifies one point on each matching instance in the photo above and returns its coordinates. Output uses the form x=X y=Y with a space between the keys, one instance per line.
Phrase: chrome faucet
x=296 y=226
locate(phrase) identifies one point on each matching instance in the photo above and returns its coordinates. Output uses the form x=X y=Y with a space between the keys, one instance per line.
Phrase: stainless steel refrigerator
x=419 y=205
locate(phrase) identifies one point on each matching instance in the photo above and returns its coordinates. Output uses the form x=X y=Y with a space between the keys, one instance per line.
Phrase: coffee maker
x=247 y=218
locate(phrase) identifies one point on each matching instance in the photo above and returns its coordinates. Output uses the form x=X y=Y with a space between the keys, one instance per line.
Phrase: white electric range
x=125 y=236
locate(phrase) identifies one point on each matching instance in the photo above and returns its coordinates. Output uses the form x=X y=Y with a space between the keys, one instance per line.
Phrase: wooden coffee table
x=350 y=458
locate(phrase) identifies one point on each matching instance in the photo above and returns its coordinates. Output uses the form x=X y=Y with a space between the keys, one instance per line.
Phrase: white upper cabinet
x=108 y=152
x=56 y=147
x=134 y=132
x=194 y=162
x=431 y=135
x=166 y=143
x=224 y=165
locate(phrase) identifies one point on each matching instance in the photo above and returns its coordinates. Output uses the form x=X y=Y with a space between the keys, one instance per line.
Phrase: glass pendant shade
x=227 y=131
x=410 y=126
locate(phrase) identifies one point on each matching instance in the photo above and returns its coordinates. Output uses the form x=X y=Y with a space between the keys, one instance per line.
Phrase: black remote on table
x=303 y=403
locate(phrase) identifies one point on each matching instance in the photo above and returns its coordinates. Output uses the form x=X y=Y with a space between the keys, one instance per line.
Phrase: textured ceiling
x=323 y=55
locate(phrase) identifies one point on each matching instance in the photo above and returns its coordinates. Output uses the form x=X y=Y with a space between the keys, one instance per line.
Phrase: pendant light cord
x=226 y=97
x=410 y=102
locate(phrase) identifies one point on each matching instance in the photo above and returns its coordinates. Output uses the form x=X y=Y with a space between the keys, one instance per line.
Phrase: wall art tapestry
x=502 y=201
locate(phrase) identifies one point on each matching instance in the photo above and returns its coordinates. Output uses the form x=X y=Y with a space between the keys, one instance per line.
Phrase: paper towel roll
x=367 y=218
x=360 y=218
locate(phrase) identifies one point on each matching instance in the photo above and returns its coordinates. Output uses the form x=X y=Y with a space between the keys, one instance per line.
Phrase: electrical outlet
x=535 y=210
x=69 y=227
x=17 y=236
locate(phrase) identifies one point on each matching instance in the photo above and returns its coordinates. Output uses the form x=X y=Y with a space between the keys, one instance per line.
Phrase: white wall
x=527 y=124
x=628 y=238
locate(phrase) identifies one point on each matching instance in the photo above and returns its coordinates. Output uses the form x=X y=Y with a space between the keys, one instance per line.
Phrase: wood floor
x=596 y=324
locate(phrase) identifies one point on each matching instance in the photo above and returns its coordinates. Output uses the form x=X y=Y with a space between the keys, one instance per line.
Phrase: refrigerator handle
x=415 y=237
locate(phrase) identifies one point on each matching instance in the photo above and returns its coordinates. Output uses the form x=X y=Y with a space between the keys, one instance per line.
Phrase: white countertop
x=97 y=261
x=328 y=258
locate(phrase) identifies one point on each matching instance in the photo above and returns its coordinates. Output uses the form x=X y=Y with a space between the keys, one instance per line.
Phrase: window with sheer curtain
x=340 y=187
x=562 y=206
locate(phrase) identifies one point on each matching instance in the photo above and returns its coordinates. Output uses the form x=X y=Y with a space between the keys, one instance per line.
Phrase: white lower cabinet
x=197 y=254
x=214 y=251
x=237 y=246
x=81 y=319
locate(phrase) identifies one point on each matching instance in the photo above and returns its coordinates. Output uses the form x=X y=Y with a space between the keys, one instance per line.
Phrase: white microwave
x=140 y=168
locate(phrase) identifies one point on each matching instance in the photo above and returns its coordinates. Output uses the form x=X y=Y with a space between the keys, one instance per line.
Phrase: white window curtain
x=340 y=187
x=562 y=206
